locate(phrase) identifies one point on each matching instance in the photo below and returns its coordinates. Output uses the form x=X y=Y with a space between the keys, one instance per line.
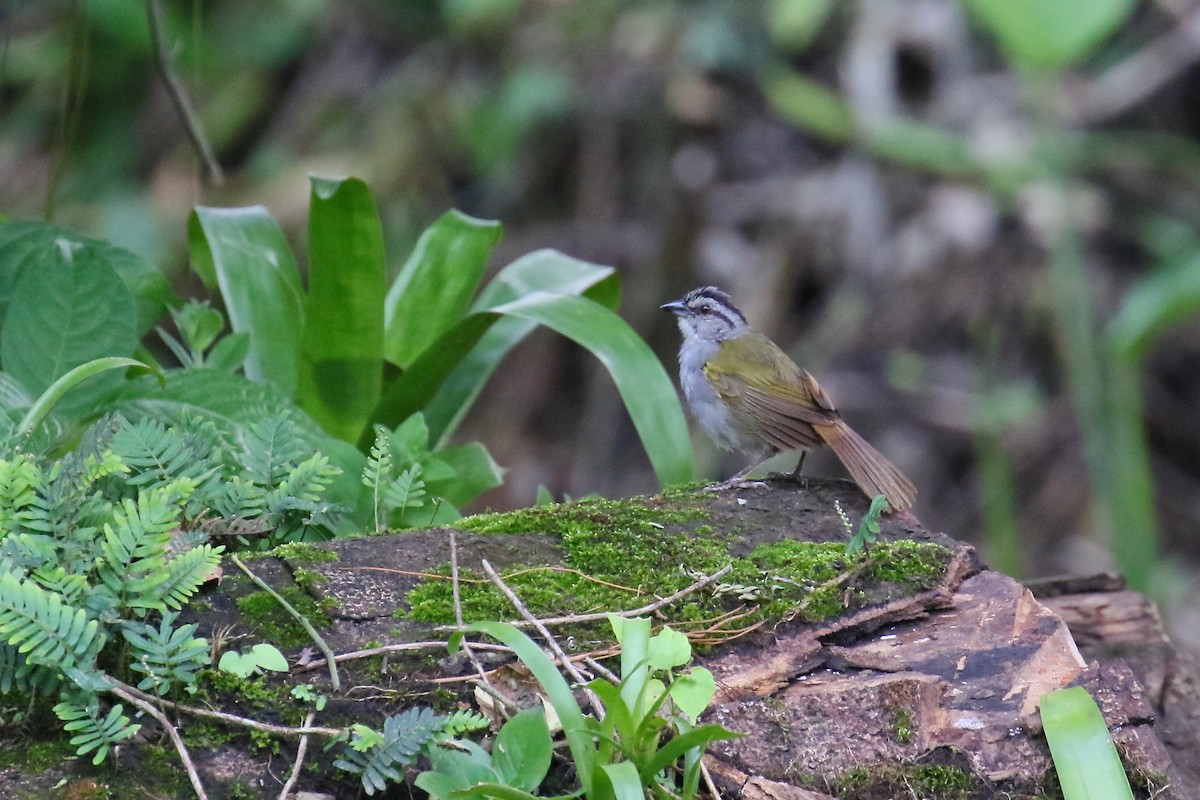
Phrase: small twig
x=180 y=747
x=545 y=632
x=486 y=683
x=232 y=719
x=708 y=781
x=312 y=632
x=399 y=647
x=601 y=670
x=301 y=751
x=572 y=619
x=179 y=98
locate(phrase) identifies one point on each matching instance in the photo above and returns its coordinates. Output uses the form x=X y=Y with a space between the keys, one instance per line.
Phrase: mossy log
x=911 y=671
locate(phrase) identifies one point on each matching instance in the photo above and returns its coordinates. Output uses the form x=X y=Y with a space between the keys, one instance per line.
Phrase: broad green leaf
x=1084 y=754
x=1050 y=35
x=435 y=286
x=22 y=246
x=521 y=753
x=341 y=369
x=694 y=691
x=69 y=307
x=268 y=656
x=668 y=649
x=647 y=391
x=447 y=378
x=243 y=251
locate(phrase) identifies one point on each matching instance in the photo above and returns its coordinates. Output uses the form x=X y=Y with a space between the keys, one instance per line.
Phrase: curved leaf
x=341 y=371
x=243 y=251
x=435 y=285
x=647 y=391
x=618 y=782
x=42 y=406
x=575 y=727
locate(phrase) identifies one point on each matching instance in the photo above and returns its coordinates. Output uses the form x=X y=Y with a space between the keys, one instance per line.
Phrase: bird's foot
x=789 y=477
x=735 y=484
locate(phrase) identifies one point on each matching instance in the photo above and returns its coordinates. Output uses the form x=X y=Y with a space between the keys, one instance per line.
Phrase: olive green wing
x=768 y=394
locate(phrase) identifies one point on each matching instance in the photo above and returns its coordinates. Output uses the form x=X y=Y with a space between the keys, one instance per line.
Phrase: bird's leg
x=796 y=476
x=737 y=481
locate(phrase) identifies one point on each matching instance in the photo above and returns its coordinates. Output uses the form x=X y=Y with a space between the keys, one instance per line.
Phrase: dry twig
x=301 y=751
x=124 y=693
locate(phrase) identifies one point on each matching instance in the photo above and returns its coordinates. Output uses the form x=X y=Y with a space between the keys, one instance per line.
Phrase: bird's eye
x=705 y=310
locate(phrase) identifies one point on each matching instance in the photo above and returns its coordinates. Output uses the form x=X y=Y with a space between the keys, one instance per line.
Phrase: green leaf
x=69 y=307
x=521 y=753
x=634 y=637
x=694 y=691
x=23 y=245
x=669 y=648
x=1085 y=757
x=447 y=378
x=475 y=471
x=647 y=391
x=435 y=286
x=341 y=370
x=575 y=728
x=49 y=398
x=243 y=251
x=1050 y=35
x=618 y=782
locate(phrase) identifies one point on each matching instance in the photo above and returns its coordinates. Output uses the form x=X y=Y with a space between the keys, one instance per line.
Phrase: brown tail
x=873 y=473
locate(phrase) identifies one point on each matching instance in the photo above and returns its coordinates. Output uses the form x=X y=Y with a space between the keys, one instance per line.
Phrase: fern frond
x=165 y=654
x=464 y=721
x=403 y=737
x=134 y=548
x=92 y=732
x=71 y=586
x=156 y=453
x=22 y=506
x=16 y=672
x=187 y=572
x=272 y=446
x=377 y=475
x=44 y=629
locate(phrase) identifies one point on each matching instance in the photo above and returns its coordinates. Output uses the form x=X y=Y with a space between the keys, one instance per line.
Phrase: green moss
x=306 y=578
x=275 y=624
x=37 y=757
x=304 y=553
x=942 y=781
x=902 y=725
x=620 y=555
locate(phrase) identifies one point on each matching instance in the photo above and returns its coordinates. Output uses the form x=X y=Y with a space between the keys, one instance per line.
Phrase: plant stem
x=312 y=632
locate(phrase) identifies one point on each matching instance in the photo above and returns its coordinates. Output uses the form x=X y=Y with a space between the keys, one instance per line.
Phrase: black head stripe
x=724 y=302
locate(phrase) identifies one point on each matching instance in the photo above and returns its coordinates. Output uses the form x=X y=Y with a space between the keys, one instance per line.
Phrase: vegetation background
x=977 y=222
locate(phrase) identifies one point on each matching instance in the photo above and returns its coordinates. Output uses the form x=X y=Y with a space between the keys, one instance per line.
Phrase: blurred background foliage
x=975 y=220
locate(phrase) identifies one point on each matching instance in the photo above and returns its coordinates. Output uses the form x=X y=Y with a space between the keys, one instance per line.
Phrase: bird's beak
x=676 y=307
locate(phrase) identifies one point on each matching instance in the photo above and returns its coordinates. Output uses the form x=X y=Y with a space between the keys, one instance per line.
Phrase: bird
x=748 y=395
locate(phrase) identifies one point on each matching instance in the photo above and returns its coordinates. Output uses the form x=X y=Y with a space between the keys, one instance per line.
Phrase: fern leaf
x=134 y=548
x=187 y=572
x=92 y=732
x=272 y=445
x=22 y=507
x=165 y=654
x=403 y=737
x=156 y=453
x=17 y=673
x=44 y=629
